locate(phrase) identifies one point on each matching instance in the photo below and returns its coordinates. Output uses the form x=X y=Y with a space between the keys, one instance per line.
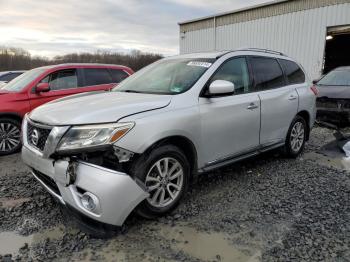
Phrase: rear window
x=267 y=73
x=293 y=72
x=118 y=75
x=336 y=78
x=97 y=76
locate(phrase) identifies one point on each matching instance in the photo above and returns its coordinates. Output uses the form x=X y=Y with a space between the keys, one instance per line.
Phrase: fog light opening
x=89 y=201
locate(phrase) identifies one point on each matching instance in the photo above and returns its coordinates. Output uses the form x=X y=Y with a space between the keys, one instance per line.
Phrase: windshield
x=168 y=77
x=23 y=80
x=336 y=78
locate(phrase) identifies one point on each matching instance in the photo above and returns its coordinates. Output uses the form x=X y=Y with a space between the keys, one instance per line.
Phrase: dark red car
x=44 y=84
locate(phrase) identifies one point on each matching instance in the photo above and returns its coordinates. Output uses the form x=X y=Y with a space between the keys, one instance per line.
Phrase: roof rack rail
x=263 y=50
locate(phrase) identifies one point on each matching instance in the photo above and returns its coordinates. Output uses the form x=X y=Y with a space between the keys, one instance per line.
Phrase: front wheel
x=296 y=137
x=165 y=172
x=10 y=136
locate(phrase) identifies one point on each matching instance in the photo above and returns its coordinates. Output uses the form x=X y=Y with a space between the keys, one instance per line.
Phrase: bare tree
x=19 y=59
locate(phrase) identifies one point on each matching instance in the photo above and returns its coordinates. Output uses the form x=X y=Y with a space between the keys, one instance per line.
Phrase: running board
x=237 y=158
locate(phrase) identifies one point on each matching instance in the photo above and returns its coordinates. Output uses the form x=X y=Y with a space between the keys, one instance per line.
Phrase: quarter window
x=118 y=75
x=97 y=76
x=267 y=73
x=64 y=79
x=293 y=72
x=235 y=71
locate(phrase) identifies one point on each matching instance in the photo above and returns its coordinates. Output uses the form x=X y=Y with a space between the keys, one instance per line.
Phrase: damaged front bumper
x=113 y=195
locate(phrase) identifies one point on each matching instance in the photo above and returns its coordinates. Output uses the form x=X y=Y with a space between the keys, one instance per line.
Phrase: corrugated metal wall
x=300 y=35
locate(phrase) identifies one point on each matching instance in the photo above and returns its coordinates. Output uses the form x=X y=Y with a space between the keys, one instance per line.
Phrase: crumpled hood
x=96 y=108
x=337 y=92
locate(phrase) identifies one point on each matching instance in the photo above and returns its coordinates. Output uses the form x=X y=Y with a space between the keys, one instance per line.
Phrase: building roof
x=268 y=9
x=234 y=11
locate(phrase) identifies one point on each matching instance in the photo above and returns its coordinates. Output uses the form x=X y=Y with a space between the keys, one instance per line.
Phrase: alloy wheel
x=297 y=136
x=9 y=137
x=164 y=182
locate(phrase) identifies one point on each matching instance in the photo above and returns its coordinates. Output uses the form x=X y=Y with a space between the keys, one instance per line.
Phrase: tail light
x=314 y=90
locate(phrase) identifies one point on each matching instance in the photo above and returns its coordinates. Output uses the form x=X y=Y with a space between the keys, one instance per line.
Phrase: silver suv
x=139 y=146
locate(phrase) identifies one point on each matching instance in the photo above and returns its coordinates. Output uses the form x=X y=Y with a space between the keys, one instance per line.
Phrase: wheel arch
x=183 y=143
x=304 y=114
x=11 y=115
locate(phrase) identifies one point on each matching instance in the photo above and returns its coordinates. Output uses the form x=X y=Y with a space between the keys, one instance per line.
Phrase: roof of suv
x=218 y=54
x=84 y=65
x=347 y=68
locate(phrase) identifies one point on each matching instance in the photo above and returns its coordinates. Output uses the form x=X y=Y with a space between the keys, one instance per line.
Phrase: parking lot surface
x=267 y=208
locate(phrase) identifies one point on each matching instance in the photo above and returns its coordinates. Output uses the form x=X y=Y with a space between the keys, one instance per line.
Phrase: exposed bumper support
x=117 y=192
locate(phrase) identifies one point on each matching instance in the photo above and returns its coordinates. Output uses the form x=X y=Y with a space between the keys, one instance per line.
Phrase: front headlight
x=79 y=137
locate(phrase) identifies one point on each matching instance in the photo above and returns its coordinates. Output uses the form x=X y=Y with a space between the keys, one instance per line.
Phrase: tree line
x=20 y=59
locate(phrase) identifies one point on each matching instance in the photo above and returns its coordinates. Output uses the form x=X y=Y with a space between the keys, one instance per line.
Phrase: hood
x=97 y=108
x=337 y=92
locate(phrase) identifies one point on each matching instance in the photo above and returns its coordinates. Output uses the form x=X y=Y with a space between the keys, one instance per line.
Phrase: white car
x=139 y=146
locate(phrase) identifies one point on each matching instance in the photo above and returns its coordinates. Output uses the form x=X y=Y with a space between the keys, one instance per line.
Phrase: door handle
x=292 y=97
x=252 y=106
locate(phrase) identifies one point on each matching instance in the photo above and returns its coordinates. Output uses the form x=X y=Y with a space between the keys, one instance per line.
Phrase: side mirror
x=42 y=87
x=221 y=88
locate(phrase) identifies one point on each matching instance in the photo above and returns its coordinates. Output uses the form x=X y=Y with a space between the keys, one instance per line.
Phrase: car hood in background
x=337 y=92
x=98 y=108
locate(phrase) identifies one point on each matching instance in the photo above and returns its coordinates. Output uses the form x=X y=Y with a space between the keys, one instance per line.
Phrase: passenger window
x=60 y=80
x=235 y=71
x=267 y=73
x=118 y=75
x=97 y=76
x=293 y=72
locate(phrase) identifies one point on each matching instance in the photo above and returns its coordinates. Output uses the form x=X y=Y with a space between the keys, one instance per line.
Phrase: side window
x=235 y=71
x=63 y=79
x=97 y=76
x=118 y=75
x=293 y=72
x=9 y=77
x=267 y=73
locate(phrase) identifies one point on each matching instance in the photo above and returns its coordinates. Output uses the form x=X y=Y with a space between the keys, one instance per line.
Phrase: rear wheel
x=296 y=137
x=165 y=172
x=10 y=136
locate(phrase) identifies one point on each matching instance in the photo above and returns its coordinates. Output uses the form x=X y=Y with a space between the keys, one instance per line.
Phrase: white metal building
x=298 y=28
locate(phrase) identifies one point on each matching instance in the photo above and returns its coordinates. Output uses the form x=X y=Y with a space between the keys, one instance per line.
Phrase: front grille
x=48 y=181
x=37 y=136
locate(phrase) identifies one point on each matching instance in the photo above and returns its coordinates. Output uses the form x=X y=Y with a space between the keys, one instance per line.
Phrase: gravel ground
x=267 y=208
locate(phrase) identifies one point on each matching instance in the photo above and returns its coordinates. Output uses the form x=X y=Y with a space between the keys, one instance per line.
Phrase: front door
x=230 y=125
x=62 y=83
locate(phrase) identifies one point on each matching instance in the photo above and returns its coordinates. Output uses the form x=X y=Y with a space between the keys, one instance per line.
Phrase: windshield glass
x=168 y=77
x=336 y=78
x=23 y=80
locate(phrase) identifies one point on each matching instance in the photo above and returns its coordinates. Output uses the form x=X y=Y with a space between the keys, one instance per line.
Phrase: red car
x=44 y=84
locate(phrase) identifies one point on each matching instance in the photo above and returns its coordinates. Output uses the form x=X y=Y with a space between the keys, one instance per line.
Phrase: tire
x=150 y=169
x=295 y=141
x=10 y=136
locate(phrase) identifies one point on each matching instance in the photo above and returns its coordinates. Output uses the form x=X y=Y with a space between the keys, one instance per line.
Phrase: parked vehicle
x=44 y=84
x=7 y=76
x=333 y=102
x=140 y=146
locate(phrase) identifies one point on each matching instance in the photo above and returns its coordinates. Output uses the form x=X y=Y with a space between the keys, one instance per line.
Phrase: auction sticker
x=198 y=63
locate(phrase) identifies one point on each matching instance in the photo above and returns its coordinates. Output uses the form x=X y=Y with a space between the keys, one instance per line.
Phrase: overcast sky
x=57 y=27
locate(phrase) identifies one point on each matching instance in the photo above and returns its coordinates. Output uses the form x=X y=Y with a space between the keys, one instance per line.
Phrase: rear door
x=279 y=101
x=97 y=79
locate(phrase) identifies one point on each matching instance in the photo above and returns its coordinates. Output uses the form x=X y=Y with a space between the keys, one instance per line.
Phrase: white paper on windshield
x=198 y=63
